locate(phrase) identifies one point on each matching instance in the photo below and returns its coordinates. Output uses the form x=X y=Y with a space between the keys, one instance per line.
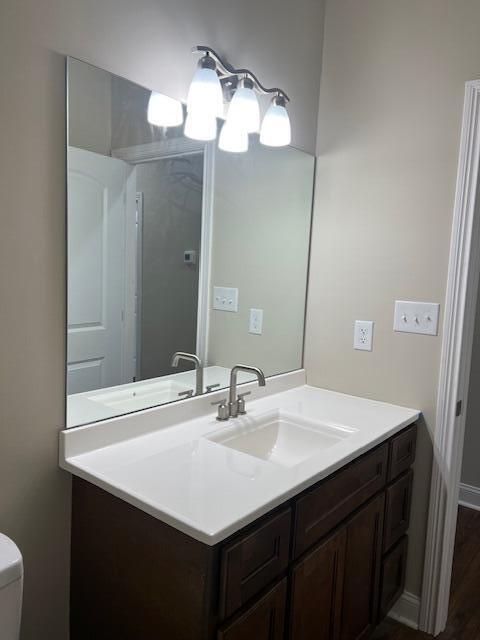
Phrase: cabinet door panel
x=397 y=510
x=362 y=571
x=265 y=620
x=393 y=576
x=317 y=584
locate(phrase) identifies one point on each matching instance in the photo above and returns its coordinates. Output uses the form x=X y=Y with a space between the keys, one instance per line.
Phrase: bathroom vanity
x=287 y=522
x=221 y=543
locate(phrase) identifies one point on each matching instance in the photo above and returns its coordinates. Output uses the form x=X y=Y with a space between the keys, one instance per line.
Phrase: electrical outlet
x=363 y=335
x=256 y=321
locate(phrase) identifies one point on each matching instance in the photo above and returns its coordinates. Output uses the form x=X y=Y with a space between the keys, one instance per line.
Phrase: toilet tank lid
x=11 y=565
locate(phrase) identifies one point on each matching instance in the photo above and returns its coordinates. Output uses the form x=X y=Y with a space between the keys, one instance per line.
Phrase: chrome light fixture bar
x=214 y=80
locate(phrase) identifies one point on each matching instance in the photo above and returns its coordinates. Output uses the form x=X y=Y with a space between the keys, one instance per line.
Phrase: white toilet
x=11 y=589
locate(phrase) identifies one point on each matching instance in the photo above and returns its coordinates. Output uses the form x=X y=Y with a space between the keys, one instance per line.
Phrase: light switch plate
x=256 y=321
x=416 y=317
x=225 y=299
x=363 y=335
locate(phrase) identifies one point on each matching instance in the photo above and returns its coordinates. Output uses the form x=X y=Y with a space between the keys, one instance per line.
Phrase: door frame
x=169 y=148
x=457 y=342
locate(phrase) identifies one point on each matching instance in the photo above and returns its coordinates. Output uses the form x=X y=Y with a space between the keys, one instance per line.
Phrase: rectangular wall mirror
x=175 y=246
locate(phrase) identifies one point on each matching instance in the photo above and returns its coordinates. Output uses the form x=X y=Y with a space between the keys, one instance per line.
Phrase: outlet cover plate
x=363 y=335
x=225 y=299
x=416 y=317
x=256 y=322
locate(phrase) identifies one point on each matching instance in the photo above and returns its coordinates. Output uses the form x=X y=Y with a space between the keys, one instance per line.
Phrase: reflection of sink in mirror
x=143 y=396
x=280 y=437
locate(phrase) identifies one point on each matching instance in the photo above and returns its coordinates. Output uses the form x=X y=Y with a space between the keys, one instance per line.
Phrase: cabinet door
x=265 y=620
x=317 y=583
x=398 y=501
x=393 y=576
x=362 y=571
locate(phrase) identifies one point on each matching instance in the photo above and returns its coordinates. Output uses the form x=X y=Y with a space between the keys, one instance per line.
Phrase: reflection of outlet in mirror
x=225 y=299
x=363 y=335
x=256 y=321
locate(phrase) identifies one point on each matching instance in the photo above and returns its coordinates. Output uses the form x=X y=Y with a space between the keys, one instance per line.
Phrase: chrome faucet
x=236 y=404
x=191 y=357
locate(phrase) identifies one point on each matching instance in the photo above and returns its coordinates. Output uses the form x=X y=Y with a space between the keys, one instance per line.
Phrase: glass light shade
x=164 y=111
x=233 y=139
x=244 y=111
x=205 y=94
x=276 y=130
x=199 y=126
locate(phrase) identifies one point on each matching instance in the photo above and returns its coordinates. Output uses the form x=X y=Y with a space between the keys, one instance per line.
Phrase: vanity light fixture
x=205 y=95
x=276 y=131
x=244 y=110
x=164 y=111
x=199 y=126
x=215 y=81
x=233 y=138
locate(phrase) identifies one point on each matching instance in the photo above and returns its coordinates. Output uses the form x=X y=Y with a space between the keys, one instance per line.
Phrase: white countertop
x=173 y=472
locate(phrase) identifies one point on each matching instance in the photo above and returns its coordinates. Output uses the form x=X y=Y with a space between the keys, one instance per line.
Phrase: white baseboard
x=406 y=610
x=469 y=496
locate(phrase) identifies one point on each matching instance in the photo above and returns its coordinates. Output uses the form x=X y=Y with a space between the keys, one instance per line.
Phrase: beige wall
x=471 y=447
x=389 y=123
x=261 y=233
x=147 y=41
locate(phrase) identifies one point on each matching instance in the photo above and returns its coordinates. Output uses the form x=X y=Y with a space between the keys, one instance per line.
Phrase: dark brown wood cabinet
x=362 y=570
x=393 y=576
x=317 y=588
x=253 y=561
x=265 y=620
x=326 y=565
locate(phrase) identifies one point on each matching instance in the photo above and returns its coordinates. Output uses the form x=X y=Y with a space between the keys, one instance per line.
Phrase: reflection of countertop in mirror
x=100 y=404
x=180 y=465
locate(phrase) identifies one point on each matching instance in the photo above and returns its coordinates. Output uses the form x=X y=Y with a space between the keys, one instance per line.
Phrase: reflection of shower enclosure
x=171 y=223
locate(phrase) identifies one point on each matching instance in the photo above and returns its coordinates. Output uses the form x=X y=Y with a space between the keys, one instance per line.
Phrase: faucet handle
x=223 y=412
x=210 y=387
x=188 y=393
x=241 y=403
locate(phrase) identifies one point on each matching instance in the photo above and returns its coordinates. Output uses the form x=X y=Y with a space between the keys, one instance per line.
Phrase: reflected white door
x=97 y=222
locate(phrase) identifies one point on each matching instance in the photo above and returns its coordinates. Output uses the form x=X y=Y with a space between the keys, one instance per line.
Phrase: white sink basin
x=141 y=396
x=280 y=437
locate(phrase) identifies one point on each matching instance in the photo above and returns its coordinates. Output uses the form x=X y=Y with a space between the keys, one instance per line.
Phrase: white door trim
x=469 y=496
x=462 y=285
x=139 y=284
x=206 y=243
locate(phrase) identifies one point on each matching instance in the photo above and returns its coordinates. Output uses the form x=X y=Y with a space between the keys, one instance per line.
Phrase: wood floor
x=464 y=611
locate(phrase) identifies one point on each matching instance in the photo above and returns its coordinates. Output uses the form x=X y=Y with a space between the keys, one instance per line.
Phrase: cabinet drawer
x=402 y=452
x=393 y=576
x=265 y=620
x=327 y=504
x=397 y=509
x=248 y=564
